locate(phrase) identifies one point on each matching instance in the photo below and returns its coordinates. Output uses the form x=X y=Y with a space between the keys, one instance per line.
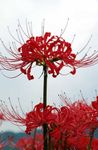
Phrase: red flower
x=29 y=143
x=47 y=50
x=85 y=118
x=25 y=143
x=39 y=116
x=73 y=121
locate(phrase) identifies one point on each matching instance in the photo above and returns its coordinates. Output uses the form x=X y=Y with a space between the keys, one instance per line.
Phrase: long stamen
x=63 y=30
x=27 y=29
x=13 y=37
x=21 y=28
x=18 y=35
x=43 y=27
x=11 y=114
x=84 y=46
x=30 y=28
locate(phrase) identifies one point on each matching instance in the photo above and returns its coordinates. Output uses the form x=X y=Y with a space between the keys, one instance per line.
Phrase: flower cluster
x=68 y=126
x=72 y=121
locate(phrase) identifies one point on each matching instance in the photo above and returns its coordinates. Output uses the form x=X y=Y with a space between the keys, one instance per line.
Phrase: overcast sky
x=83 y=21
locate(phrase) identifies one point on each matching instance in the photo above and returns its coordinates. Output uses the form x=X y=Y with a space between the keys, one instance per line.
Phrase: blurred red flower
x=82 y=143
x=25 y=143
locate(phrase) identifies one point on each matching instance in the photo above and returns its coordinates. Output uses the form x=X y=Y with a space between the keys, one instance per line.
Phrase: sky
x=83 y=22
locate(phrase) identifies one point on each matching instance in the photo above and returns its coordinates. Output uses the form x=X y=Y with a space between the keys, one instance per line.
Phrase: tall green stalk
x=45 y=104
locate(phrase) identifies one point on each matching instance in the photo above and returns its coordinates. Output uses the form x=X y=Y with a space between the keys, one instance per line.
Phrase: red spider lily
x=62 y=124
x=85 y=119
x=52 y=51
x=29 y=143
x=39 y=116
x=84 y=116
x=73 y=120
x=25 y=143
x=47 y=50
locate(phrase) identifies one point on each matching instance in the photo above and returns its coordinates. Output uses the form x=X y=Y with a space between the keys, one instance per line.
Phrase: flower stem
x=45 y=104
x=91 y=139
x=45 y=87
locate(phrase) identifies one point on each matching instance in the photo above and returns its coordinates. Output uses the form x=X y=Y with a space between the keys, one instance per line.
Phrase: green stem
x=45 y=104
x=91 y=139
x=45 y=87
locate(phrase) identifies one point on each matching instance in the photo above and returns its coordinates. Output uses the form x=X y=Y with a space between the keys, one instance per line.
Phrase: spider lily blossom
x=48 y=50
x=39 y=116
